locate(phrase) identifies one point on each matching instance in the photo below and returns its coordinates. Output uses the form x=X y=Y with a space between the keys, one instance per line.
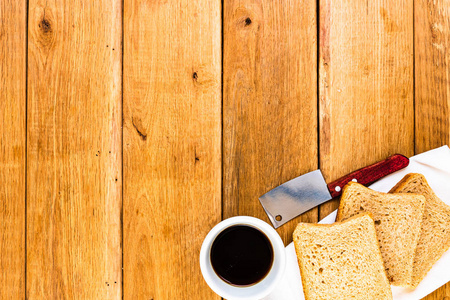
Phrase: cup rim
x=258 y=290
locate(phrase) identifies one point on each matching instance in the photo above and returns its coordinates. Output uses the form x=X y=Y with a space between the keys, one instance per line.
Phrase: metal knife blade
x=295 y=197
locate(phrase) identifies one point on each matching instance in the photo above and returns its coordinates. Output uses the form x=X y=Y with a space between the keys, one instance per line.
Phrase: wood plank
x=172 y=138
x=443 y=293
x=432 y=83
x=365 y=86
x=74 y=150
x=269 y=102
x=13 y=24
x=432 y=74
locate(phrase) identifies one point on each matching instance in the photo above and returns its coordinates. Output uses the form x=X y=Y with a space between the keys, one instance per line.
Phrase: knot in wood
x=45 y=25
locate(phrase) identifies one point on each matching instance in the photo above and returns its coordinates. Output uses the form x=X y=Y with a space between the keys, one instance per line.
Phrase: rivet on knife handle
x=370 y=174
x=307 y=191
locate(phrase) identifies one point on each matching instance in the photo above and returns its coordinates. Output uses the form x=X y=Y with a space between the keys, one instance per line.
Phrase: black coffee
x=241 y=255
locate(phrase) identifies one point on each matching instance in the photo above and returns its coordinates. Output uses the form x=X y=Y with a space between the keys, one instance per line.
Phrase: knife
x=307 y=191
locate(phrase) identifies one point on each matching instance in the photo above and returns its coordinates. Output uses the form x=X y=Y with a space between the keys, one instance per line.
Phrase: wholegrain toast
x=434 y=239
x=398 y=220
x=341 y=261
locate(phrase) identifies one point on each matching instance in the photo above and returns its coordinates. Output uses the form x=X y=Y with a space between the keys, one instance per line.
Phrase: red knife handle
x=369 y=174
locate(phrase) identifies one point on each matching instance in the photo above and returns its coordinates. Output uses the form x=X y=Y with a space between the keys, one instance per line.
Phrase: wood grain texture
x=269 y=102
x=12 y=148
x=74 y=150
x=172 y=138
x=366 y=108
x=443 y=293
x=432 y=73
x=432 y=84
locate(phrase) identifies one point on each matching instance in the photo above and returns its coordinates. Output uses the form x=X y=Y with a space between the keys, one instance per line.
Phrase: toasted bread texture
x=434 y=238
x=398 y=220
x=341 y=260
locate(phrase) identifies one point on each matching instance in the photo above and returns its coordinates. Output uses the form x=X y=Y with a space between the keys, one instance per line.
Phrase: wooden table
x=129 y=128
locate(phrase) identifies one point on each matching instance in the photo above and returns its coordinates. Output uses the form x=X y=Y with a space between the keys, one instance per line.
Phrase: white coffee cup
x=258 y=290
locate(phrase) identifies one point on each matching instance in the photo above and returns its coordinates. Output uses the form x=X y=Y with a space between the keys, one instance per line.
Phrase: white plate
x=435 y=166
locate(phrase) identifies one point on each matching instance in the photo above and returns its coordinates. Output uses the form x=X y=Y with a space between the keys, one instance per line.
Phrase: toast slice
x=341 y=260
x=398 y=220
x=434 y=238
